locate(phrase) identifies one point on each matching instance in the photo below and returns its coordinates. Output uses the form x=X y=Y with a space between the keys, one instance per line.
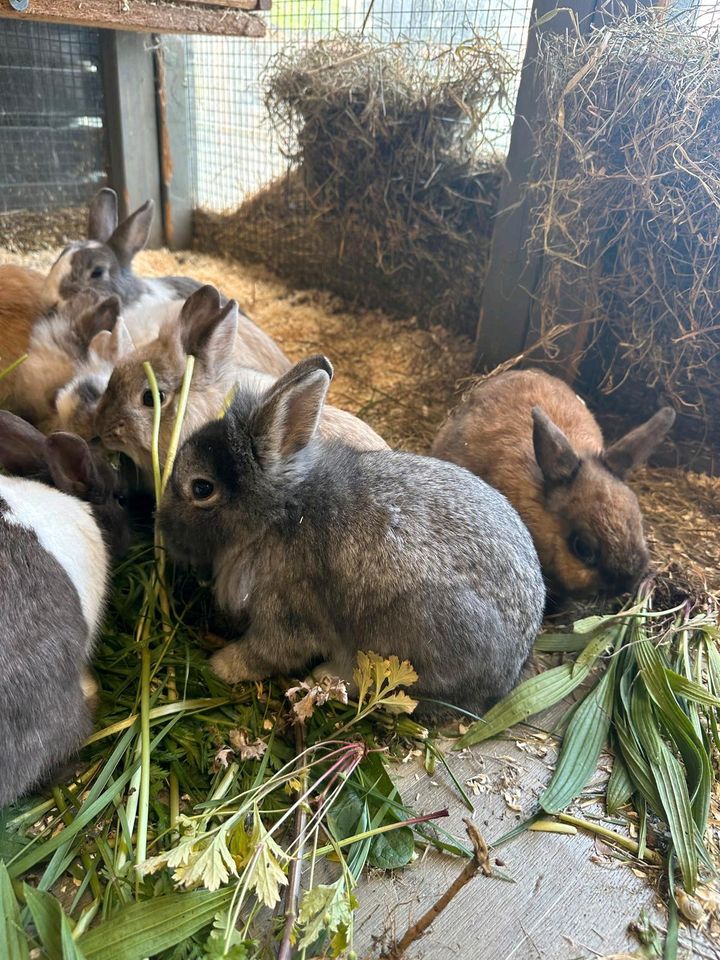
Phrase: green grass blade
x=583 y=741
x=145 y=929
x=13 y=942
x=70 y=950
x=47 y=914
x=530 y=697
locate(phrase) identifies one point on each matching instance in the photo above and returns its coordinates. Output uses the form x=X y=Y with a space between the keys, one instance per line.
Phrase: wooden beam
x=144 y=16
x=130 y=110
x=513 y=272
x=509 y=314
x=176 y=150
x=238 y=4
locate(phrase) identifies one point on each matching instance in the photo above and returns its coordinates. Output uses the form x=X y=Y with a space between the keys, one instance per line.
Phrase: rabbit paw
x=337 y=668
x=231 y=666
x=89 y=686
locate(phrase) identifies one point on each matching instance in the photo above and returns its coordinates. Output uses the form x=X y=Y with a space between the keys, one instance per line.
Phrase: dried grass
x=627 y=184
x=396 y=183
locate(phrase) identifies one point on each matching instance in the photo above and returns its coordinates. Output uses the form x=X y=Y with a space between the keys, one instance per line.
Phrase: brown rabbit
x=224 y=357
x=21 y=303
x=530 y=436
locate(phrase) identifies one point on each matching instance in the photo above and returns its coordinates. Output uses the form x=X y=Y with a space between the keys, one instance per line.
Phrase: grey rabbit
x=326 y=550
x=55 y=550
x=103 y=262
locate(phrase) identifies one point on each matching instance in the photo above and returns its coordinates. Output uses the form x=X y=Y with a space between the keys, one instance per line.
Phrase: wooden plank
x=235 y=4
x=569 y=898
x=144 y=16
x=129 y=80
x=176 y=151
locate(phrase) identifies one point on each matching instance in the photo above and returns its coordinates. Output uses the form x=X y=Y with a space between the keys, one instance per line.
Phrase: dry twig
x=480 y=863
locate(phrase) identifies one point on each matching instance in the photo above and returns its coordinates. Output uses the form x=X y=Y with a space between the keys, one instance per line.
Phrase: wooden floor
x=570 y=898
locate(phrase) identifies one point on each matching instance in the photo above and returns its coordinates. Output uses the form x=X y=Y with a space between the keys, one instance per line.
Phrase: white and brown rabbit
x=226 y=353
x=327 y=550
x=103 y=262
x=530 y=436
x=58 y=347
x=55 y=549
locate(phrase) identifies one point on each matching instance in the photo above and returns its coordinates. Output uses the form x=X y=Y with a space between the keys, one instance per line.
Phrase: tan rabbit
x=21 y=303
x=208 y=330
x=530 y=436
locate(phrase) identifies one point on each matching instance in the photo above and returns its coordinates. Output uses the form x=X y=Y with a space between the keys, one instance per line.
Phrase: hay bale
x=395 y=183
x=627 y=179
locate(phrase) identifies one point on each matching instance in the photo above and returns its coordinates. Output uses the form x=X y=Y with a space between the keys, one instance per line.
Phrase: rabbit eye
x=120 y=499
x=202 y=489
x=584 y=551
x=97 y=273
x=147 y=398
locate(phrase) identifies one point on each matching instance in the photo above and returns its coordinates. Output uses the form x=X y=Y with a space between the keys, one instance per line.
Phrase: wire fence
x=237 y=153
x=53 y=148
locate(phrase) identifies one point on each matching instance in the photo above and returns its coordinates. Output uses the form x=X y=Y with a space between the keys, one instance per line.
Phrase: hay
x=627 y=215
x=24 y=231
x=397 y=182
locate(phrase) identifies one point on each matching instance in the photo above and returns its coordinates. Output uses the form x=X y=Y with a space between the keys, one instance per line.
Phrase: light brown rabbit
x=208 y=330
x=21 y=302
x=530 y=436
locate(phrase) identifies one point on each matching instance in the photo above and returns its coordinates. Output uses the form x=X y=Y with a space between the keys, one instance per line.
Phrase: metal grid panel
x=53 y=149
x=235 y=151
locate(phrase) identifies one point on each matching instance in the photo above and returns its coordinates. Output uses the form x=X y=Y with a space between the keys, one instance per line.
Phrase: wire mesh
x=53 y=147
x=236 y=152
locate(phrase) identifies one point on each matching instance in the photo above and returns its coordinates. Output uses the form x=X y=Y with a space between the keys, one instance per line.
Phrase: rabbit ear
x=71 y=465
x=635 y=447
x=22 y=447
x=112 y=345
x=101 y=316
x=103 y=215
x=288 y=416
x=207 y=329
x=553 y=451
x=132 y=234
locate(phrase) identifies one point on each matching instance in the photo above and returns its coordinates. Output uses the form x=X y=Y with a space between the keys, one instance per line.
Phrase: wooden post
x=513 y=272
x=509 y=319
x=176 y=150
x=129 y=80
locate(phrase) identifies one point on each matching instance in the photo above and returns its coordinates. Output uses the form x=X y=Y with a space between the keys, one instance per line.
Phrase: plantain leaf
x=690 y=690
x=145 y=929
x=584 y=739
x=620 y=786
x=13 y=942
x=679 y=728
x=528 y=698
x=671 y=786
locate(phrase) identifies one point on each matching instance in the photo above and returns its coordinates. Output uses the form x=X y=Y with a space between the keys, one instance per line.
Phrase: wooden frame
x=129 y=81
x=225 y=17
